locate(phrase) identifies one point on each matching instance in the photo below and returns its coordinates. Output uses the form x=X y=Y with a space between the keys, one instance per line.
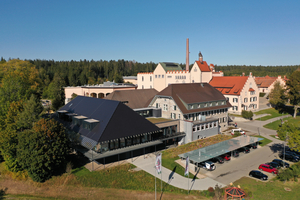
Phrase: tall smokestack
x=187 y=62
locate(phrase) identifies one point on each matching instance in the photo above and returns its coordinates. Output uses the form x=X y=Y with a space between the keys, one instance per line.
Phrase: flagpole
x=161 y=175
x=155 y=181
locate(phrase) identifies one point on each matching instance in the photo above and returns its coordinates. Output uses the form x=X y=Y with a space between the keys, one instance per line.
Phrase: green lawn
x=122 y=177
x=263 y=142
x=271 y=190
x=273 y=113
x=274 y=125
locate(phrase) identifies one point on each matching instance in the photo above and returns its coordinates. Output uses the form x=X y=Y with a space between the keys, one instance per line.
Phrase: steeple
x=200 y=57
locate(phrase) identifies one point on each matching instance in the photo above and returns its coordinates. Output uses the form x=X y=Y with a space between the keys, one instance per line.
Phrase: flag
x=186 y=172
x=158 y=163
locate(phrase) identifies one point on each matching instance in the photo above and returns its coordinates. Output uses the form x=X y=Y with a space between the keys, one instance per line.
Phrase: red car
x=268 y=168
x=225 y=157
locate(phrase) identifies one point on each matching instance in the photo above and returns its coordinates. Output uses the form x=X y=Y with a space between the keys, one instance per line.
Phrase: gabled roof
x=203 y=66
x=188 y=93
x=229 y=85
x=116 y=120
x=169 y=66
x=133 y=98
x=265 y=82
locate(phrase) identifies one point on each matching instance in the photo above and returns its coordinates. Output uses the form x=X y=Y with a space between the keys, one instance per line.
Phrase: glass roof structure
x=220 y=148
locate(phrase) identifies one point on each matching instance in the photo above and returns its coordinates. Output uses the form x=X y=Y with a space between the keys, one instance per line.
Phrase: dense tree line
x=237 y=70
x=29 y=144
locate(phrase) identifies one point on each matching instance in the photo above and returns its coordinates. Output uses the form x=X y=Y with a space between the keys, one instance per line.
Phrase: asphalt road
x=241 y=166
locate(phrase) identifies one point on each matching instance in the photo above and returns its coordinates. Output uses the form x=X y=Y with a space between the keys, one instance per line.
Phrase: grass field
x=271 y=190
x=274 y=125
x=263 y=142
x=272 y=114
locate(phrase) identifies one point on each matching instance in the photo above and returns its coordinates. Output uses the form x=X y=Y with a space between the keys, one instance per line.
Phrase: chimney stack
x=187 y=62
x=243 y=73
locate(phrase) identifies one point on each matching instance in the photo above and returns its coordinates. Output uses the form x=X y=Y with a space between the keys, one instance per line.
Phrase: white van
x=237 y=130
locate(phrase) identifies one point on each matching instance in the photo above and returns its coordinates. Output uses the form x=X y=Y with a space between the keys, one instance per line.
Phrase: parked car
x=244 y=149
x=218 y=159
x=258 y=174
x=253 y=146
x=268 y=168
x=289 y=157
x=281 y=163
x=208 y=165
x=274 y=164
x=226 y=157
x=293 y=153
x=235 y=153
x=237 y=130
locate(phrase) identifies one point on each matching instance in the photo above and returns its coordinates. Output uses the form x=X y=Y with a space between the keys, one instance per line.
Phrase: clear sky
x=227 y=32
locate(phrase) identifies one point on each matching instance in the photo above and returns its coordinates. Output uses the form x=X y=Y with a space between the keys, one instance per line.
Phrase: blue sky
x=240 y=32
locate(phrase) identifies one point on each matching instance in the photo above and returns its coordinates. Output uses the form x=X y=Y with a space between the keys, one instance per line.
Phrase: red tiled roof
x=230 y=85
x=264 y=82
x=203 y=66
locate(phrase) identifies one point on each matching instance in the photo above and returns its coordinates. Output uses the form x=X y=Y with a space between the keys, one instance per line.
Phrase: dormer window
x=90 y=124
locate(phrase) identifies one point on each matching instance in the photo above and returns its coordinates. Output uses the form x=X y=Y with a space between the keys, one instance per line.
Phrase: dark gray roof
x=116 y=120
x=188 y=93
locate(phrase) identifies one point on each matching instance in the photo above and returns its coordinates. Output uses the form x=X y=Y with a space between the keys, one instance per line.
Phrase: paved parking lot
x=238 y=167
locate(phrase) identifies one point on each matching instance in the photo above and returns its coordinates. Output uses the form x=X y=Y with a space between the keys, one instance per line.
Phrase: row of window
x=251 y=99
x=158 y=76
x=150 y=78
x=202 y=127
x=194 y=106
x=254 y=106
x=197 y=116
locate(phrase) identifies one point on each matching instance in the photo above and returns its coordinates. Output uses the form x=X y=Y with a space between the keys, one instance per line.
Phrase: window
x=235 y=100
x=162 y=76
x=210 y=104
x=150 y=78
x=142 y=78
x=202 y=127
x=142 y=87
x=174 y=116
x=223 y=102
x=234 y=108
x=217 y=103
x=166 y=107
x=155 y=76
x=254 y=106
x=245 y=107
x=224 y=119
x=174 y=107
x=159 y=76
x=157 y=105
x=178 y=116
x=150 y=86
x=245 y=100
x=199 y=106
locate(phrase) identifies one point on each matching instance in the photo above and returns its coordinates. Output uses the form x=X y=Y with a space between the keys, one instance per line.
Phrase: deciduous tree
x=43 y=151
x=293 y=87
x=291 y=133
x=277 y=96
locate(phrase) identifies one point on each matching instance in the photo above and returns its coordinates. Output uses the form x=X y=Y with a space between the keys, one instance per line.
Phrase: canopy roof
x=206 y=153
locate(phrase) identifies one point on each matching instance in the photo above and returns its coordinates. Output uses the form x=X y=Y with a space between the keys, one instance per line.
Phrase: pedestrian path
x=172 y=178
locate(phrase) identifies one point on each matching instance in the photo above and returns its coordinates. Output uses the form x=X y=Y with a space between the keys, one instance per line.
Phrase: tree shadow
x=2 y=193
x=276 y=147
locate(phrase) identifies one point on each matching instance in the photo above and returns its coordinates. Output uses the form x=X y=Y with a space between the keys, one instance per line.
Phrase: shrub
x=247 y=114
x=262 y=94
